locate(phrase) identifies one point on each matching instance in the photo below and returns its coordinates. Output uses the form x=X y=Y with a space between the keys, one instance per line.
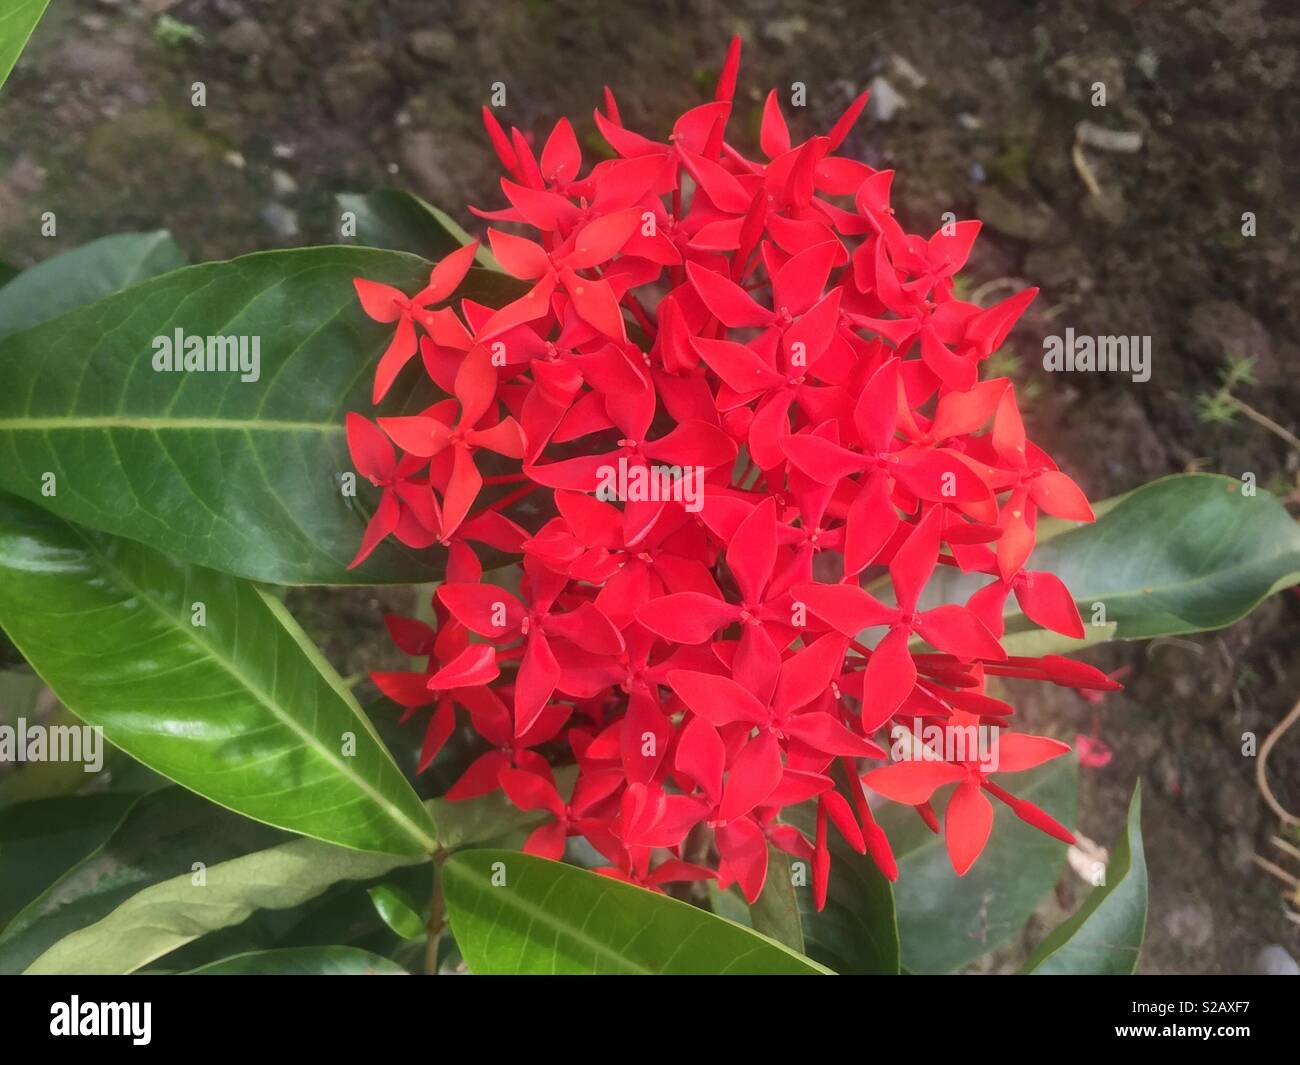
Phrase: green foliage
x=513 y=913
x=1183 y=554
x=302 y=961
x=1105 y=937
x=178 y=490
x=84 y=275
x=250 y=477
x=16 y=25
x=231 y=699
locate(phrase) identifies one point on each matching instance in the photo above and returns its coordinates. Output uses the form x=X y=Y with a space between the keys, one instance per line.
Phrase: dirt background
x=977 y=106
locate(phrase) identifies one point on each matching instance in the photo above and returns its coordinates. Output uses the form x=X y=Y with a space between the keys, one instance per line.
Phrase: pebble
x=907 y=72
x=785 y=31
x=1148 y=63
x=1191 y=924
x=282 y=184
x=1273 y=960
x=281 y=220
x=885 y=101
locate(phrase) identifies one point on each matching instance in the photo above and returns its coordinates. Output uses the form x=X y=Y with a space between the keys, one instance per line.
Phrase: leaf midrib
x=474 y=880
x=310 y=741
x=80 y=422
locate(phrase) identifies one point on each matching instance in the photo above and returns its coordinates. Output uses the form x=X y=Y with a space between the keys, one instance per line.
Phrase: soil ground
x=977 y=105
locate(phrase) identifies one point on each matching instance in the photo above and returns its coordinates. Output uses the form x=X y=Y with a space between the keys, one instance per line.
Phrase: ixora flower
x=765 y=329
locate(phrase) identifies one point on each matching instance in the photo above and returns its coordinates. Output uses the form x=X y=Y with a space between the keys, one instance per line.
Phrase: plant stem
x=437 y=911
x=1264 y=420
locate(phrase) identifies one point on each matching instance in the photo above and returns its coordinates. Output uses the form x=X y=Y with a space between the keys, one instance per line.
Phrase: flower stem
x=437 y=911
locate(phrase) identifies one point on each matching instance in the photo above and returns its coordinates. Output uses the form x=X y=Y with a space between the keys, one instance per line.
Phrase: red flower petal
x=719 y=700
x=914 y=782
x=687 y=617
x=743 y=849
x=966 y=826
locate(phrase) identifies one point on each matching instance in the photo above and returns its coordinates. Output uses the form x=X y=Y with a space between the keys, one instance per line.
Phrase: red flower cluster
x=784 y=390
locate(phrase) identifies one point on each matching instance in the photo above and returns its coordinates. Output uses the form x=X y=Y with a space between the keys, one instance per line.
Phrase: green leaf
x=7 y=273
x=397 y=910
x=241 y=708
x=170 y=914
x=857 y=932
x=42 y=838
x=247 y=477
x=775 y=912
x=1105 y=937
x=16 y=25
x=553 y=918
x=946 y=921
x=162 y=836
x=344 y=915
x=730 y=904
x=303 y=961
x=1182 y=554
x=401 y=221
x=83 y=275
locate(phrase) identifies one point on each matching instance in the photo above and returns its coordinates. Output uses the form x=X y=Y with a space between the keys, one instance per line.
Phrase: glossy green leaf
x=247 y=477
x=1105 y=937
x=303 y=961
x=1183 y=554
x=775 y=912
x=856 y=934
x=41 y=839
x=346 y=915
x=162 y=836
x=167 y=915
x=241 y=707
x=83 y=275
x=946 y=921
x=16 y=24
x=397 y=910
x=400 y=221
x=553 y=918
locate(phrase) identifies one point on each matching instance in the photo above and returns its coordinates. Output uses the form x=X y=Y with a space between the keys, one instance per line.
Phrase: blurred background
x=1129 y=216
